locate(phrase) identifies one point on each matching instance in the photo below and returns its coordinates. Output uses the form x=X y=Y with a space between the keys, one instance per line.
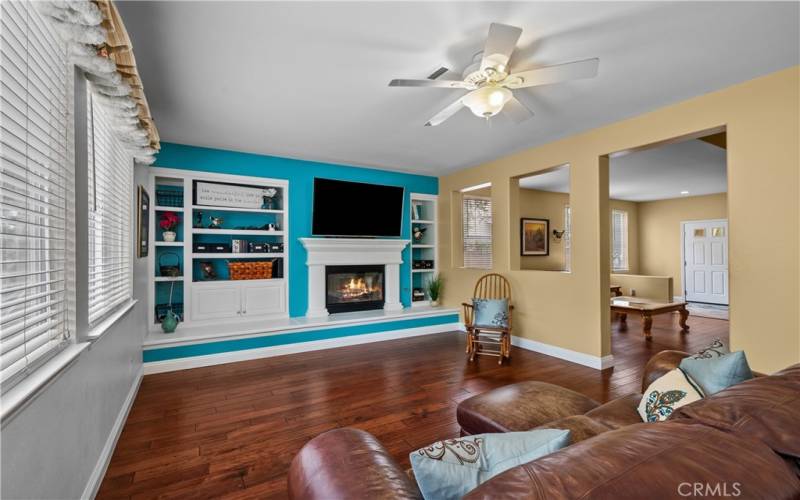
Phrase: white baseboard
x=99 y=471
x=266 y=352
x=596 y=362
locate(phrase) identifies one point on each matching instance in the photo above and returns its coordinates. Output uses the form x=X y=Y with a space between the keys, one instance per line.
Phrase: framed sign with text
x=223 y=194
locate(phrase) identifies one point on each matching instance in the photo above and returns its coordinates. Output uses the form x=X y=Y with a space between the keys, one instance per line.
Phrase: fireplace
x=354 y=288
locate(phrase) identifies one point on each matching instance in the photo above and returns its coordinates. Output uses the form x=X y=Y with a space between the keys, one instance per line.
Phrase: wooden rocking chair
x=490 y=286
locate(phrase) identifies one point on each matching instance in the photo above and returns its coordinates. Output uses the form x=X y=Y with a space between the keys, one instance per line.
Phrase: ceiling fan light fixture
x=487 y=101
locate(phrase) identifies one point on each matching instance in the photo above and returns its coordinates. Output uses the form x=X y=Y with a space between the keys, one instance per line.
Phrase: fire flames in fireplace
x=354 y=288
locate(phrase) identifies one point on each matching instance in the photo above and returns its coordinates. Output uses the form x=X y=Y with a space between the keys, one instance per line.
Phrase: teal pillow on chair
x=719 y=372
x=490 y=313
x=451 y=468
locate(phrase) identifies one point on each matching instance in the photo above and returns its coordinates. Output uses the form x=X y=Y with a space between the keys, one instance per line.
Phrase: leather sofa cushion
x=343 y=464
x=650 y=461
x=619 y=412
x=580 y=426
x=764 y=408
x=520 y=407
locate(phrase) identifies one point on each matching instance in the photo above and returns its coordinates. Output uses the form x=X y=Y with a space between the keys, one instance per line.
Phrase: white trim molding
x=596 y=362
x=352 y=252
x=268 y=352
x=100 y=468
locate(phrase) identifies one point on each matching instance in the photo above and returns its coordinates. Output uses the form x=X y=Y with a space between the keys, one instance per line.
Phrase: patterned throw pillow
x=451 y=468
x=715 y=349
x=666 y=394
x=716 y=373
x=491 y=313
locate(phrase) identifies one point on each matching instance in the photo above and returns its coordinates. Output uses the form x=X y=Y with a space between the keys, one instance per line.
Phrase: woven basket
x=250 y=270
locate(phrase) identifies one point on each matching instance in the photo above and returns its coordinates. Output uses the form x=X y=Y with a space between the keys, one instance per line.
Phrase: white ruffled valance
x=99 y=45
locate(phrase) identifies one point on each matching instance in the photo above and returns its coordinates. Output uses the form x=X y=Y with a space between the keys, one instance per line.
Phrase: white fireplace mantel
x=352 y=252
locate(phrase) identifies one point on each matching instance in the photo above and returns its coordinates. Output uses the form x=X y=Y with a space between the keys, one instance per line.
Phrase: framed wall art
x=534 y=236
x=143 y=222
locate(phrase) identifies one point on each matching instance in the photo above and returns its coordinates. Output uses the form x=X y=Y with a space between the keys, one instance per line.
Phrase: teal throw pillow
x=717 y=373
x=715 y=349
x=451 y=468
x=491 y=313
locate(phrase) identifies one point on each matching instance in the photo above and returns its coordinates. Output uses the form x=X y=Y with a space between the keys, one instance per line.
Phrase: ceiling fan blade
x=501 y=42
x=517 y=111
x=553 y=74
x=445 y=113
x=445 y=84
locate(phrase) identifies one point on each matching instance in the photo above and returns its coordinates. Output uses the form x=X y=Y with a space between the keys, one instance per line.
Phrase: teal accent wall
x=221 y=346
x=300 y=175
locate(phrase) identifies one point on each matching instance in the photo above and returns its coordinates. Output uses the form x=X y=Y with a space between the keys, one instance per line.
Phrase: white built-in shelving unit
x=202 y=302
x=423 y=215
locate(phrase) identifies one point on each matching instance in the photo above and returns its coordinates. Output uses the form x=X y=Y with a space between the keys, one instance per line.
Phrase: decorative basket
x=171 y=270
x=250 y=270
x=169 y=198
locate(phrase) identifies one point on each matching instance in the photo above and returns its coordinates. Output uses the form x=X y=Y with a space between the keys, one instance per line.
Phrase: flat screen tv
x=356 y=209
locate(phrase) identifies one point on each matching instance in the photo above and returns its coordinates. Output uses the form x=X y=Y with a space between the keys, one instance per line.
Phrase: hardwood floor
x=231 y=430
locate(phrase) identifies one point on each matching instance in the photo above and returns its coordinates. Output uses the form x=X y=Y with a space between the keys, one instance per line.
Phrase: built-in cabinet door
x=263 y=298
x=216 y=301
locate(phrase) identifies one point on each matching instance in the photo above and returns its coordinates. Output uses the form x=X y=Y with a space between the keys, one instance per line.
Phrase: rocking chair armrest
x=468 y=312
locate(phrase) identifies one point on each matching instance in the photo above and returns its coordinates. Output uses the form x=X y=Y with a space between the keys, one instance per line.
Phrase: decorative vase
x=434 y=303
x=169 y=236
x=170 y=322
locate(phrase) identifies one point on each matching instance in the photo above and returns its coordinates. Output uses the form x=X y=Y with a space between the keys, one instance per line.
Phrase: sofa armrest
x=660 y=364
x=347 y=464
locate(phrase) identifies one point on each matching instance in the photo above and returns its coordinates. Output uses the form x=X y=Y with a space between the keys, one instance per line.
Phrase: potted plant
x=435 y=286
x=168 y=222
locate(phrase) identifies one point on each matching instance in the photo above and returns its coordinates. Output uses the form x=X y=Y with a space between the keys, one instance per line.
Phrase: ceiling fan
x=490 y=80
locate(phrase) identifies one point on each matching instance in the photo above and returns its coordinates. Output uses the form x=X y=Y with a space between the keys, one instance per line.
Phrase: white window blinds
x=37 y=180
x=477 y=231
x=619 y=240
x=110 y=175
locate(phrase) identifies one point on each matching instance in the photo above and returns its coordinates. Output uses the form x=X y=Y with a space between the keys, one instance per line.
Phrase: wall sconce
x=558 y=234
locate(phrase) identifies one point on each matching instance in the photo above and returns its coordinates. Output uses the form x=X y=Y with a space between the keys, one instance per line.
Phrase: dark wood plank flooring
x=231 y=430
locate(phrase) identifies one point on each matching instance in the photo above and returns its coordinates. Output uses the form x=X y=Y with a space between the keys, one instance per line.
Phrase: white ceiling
x=655 y=174
x=309 y=79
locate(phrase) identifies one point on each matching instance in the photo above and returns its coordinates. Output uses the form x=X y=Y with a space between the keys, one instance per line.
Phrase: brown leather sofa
x=742 y=442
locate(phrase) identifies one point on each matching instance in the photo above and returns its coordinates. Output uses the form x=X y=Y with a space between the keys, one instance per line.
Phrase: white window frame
x=619 y=249
x=473 y=263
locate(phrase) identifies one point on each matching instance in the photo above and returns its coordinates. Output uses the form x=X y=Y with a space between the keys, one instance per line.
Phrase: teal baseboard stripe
x=221 y=346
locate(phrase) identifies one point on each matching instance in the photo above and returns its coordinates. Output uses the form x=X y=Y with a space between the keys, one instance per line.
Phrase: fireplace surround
x=329 y=252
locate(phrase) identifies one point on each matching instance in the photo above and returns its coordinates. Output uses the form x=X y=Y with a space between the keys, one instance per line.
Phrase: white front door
x=705 y=250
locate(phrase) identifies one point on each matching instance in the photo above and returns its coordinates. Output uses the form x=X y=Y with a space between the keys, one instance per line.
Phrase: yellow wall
x=570 y=310
x=534 y=203
x=660 y=232
x=651 y=287
x=537 y=204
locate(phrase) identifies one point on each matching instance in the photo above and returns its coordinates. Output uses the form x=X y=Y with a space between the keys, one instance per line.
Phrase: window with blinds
x=619 y=240
x=477 y=232
x=110 y=176
x=36 y=182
